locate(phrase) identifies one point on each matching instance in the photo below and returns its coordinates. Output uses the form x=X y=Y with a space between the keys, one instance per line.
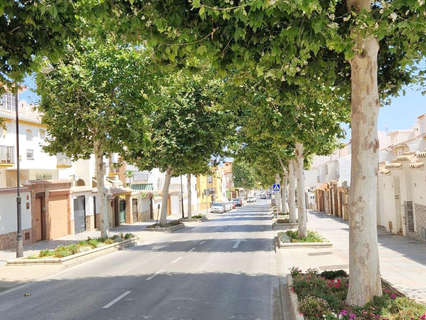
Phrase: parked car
x=229 y=206
x=251 y=199
x=263 y=196
x=218 y=207
x=238 y=202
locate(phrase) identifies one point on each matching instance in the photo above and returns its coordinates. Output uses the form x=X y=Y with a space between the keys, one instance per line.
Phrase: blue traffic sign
x=276 y=187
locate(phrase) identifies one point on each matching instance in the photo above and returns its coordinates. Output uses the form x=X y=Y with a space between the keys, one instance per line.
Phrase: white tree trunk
x=291 y=192
x=364 y=282
x=165 y=197
x=301 y=191
x=100 y=185
x=284 y=193
x=278 y=194
x=188 y=176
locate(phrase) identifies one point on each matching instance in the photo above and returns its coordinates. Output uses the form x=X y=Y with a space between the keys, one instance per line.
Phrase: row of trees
x=297 y=66
x=102 y=99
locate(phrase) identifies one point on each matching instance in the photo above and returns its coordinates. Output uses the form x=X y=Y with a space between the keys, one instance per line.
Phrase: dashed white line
x=154 y=275
x=121 y=296
x=176 y=260
x=202 y=242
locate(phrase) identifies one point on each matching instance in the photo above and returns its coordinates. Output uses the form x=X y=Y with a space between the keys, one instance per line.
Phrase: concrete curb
x=293 y=302
x=278 y=226
x=166 y=229
x=79 y=257
x=194 y=220
x=287 y=245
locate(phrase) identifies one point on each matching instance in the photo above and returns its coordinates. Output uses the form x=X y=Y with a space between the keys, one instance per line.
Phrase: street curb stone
x=166 y=229
x=293 y=302
x=77 y=258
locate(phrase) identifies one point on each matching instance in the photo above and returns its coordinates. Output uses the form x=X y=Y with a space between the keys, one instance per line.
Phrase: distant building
x=401 y=181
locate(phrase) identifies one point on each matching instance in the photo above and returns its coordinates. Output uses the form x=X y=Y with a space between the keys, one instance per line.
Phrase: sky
x=400 y=114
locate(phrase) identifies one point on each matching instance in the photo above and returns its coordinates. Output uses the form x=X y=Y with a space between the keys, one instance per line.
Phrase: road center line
x=176 y=260
x=202 y=242
x=121 y=296
x=154 y=275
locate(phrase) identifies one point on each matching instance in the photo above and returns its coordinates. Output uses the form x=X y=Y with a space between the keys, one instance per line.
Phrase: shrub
x=314 y=307
x=129 y=235
x=109 y=241
x=311 y=237
x=93 y=243
x=45 y=253
x=331 y=275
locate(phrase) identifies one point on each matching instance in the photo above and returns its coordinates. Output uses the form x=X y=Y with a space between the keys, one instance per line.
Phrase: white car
x=217 y=207
x=228 y=206
x=251 y=199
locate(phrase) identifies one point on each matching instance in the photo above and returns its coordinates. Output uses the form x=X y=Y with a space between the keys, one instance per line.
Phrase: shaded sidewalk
x=402 y=260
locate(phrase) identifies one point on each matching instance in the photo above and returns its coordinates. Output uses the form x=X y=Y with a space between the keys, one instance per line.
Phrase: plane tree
x=88 y=98
x=186 y=128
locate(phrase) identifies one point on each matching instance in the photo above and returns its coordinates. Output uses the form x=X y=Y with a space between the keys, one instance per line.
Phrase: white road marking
x=202 y=242
x=176 y=260
x=192 y=249
x=121 y=296
x=158 y=247
x=154 y=275
x=237 y=243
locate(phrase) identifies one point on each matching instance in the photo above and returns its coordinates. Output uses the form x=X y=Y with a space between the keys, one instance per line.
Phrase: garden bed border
x=78 y=257
x=167 y=229
x=293 y=301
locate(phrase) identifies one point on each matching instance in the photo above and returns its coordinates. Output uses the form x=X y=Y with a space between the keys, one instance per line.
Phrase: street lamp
x=19 y=242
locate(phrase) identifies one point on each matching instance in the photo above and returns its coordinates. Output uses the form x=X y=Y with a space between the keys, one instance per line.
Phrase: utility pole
x=19 y=242
x=181 y=196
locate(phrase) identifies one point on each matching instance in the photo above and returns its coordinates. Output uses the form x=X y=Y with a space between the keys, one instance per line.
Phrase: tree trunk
x=284 y=194
x=278 y=194
x=364 y=281
x=100 y=183
x=165 y=197
x=188 y=176
x=301 y=191
x=291 y=192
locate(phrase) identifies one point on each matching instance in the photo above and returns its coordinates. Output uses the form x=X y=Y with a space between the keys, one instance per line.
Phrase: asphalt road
x=216 y=270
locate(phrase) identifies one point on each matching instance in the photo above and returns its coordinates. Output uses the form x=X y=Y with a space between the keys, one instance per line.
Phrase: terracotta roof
x=416 y=165
x=393 y=165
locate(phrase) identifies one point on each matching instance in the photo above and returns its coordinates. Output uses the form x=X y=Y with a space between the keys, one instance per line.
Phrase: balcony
x=7 y=156
x=62 y=161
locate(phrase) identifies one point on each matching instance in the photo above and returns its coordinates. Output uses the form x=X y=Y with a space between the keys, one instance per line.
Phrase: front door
x=122 y=211
x=79 y=214
x=39 y=221
x=135 y=210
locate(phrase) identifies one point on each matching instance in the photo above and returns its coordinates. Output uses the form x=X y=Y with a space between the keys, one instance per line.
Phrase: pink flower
x=393 y=296
x=423 y=317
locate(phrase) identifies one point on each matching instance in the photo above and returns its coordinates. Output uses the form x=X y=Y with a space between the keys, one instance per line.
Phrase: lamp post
x=19 y=242
x=181 y=196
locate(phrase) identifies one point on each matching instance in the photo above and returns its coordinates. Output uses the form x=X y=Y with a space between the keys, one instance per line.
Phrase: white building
x=401 y=181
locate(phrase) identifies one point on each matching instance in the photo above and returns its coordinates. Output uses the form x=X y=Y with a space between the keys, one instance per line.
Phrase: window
x=29 y=134
x=30 y=154
x=7 y=102
x=209 y=179
x=6 y=154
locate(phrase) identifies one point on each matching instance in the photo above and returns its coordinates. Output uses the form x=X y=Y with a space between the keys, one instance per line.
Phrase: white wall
x=8 y=212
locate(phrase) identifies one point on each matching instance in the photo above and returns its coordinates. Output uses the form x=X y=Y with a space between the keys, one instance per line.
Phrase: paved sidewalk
x=402 y=260
x=34 y=248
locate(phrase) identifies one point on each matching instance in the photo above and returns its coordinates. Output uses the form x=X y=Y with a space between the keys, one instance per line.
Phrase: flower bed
x=292 y=236
x=82 y=246
x=322 y=296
